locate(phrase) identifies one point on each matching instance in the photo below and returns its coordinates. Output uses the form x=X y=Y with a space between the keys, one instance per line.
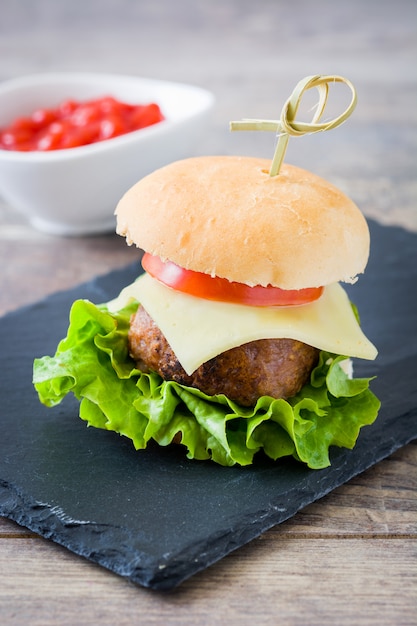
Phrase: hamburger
x=238 y=338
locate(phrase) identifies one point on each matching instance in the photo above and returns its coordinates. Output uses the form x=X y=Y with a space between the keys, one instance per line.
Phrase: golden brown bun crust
x=225 y=216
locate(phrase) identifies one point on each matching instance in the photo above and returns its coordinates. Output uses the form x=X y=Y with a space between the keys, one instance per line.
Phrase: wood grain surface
x=349 y=558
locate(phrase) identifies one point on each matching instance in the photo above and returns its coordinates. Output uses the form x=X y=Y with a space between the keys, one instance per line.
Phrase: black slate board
x=153 y=516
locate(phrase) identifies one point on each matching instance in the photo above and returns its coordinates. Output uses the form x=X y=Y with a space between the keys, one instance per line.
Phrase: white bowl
x=75 y=191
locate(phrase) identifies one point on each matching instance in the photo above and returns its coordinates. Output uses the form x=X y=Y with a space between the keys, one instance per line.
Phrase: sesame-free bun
x=226 y=216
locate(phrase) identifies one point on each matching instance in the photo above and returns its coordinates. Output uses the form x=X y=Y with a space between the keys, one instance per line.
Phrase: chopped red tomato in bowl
x=72 y=124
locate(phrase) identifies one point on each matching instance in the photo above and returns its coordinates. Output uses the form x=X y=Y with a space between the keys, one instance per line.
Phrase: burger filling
x=267 y=367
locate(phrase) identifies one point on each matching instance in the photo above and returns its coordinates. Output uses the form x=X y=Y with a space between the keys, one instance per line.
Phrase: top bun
x=226 y=216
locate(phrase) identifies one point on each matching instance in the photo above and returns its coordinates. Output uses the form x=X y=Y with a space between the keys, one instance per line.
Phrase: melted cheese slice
x=198 y=330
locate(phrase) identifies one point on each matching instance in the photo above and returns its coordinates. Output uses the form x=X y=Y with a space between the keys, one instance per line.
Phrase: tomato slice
x=204 y=286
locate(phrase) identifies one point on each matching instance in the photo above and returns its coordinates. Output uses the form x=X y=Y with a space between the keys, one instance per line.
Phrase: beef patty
x=267 y=367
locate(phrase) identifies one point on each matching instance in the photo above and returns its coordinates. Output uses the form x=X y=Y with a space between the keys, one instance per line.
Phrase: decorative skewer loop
x=287 y=125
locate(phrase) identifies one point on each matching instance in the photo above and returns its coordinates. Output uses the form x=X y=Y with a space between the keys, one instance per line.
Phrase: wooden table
x=351 y=557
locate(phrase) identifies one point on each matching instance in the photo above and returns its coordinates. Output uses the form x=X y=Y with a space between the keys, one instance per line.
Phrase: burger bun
x=226 y=216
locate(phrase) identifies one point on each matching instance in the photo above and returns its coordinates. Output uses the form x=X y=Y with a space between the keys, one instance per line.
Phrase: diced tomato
x=145 y=116
x=13 y=139
x=110 y=105
x=81 y=136
x=48 y=141
x=74 y=124
x=84 y=114
x=43 y=117
x=112 y=126
x=216 y=288
x=66 y=108
x=23 y=123
x=51 y=137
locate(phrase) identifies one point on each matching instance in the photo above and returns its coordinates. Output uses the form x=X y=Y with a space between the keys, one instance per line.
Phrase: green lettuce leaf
x=93 y=363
